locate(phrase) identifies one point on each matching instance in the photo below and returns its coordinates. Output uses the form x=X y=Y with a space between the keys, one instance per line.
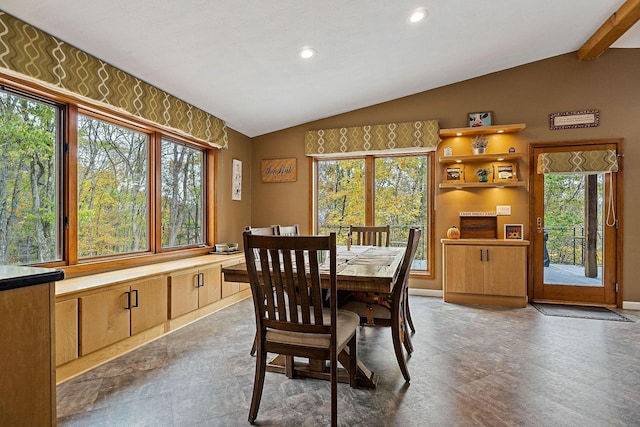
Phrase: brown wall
x=526 y=94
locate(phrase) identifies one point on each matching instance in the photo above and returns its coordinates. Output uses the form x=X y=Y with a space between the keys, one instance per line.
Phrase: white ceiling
x=238 y=59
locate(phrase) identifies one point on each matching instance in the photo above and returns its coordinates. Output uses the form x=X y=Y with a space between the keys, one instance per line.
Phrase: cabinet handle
x=480 y=254
x=202 y=281
x=487 y=255
x=136 y=292
x=198 y=280
x=128 y=306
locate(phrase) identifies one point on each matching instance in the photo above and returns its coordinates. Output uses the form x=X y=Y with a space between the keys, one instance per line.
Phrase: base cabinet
x=121 y=311
x=485 y=271
x=66 y=331
x=194 y=288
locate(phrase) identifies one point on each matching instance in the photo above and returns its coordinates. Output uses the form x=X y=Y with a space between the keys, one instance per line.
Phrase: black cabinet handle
x=128 y=306
x=480 y=254
x=487 y=255
x=201 y=275
x=136 y=292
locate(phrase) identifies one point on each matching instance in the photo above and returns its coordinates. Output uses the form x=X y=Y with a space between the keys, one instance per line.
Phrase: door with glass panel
x=575 y=222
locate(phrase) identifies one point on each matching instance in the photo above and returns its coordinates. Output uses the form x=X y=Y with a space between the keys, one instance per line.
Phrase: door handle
x=539 y=224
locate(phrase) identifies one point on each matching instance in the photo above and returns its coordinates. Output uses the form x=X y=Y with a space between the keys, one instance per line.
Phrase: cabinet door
x=209 y=290
x=506 y=271
x=66 y=331
x=183 y=292
x=149 y=303
x=104 y=319
x=464 y=266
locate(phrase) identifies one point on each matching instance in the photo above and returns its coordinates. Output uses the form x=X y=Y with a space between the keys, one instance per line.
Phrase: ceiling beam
x=614 y=27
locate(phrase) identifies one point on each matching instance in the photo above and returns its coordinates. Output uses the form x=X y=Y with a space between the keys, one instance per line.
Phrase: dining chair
x=376 y=236
x=262 y=231
x=370 y=235
x=290 y=317
x=391 y=309
x=287 y=230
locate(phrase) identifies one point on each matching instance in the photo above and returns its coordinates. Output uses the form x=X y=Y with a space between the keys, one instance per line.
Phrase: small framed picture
x=479 y=119
x=504 y=172
x=513 y=232
x=236 y=179
x=448 y=151
x=454 y=174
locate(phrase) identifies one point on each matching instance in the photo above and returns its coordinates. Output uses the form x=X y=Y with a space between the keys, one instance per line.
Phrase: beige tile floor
x=472 y=366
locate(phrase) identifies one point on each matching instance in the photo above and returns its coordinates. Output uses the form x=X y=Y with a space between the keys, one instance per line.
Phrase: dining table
x=359 y=268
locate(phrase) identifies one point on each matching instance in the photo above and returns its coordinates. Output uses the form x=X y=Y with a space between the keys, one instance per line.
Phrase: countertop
x=17 y=276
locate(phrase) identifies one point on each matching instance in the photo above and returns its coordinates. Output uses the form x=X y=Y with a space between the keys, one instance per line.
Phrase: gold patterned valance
x=590 y=161
x=32 y=53
x=401 y=137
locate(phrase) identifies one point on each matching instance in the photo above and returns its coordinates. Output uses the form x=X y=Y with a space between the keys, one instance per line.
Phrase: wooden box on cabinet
x=478 y=271
x=194 y=288
x=120 y=311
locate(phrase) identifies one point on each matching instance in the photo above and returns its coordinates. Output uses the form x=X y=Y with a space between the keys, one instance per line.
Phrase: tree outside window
x=30 y=227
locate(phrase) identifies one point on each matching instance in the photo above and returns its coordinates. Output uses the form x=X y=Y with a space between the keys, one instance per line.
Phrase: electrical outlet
x=503 y=210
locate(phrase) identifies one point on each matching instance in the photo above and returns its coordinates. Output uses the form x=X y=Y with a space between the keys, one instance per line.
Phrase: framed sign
x=279 y=170
x=236 y=179
x=454 y=174
x=513 y=231
x=574 y=119
x=504 y=172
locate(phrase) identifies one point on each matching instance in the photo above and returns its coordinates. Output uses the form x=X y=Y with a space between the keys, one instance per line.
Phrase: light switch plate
x=503 y=210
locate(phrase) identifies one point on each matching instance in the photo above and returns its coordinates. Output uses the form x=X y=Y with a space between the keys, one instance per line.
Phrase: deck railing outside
x=566 y=245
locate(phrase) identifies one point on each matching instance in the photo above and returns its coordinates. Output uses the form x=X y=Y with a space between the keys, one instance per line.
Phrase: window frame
x=70 y=107
x=369 y=172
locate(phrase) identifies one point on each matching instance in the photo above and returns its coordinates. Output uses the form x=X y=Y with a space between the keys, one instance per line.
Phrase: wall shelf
x=461 y=185
x=482 y=130
x=492 y=157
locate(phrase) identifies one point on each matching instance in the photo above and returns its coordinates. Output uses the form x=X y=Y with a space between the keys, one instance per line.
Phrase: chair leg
x=258 y=383
x=408 y=313
x=397 y=346
x=253 y=346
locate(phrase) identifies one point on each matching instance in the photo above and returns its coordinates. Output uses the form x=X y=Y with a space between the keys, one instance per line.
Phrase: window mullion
x=369 y=197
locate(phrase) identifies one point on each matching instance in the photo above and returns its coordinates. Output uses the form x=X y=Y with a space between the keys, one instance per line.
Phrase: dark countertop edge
x=13 y=277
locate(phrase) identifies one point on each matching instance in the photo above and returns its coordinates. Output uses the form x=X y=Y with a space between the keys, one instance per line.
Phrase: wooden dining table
x=359 y=268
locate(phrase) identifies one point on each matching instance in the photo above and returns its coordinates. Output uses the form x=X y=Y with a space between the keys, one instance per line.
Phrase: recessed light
x=418 y=15
x=501 y=131
x=307 y=52
x=459 y=134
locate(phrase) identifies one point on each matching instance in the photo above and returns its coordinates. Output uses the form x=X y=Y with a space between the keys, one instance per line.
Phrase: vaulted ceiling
x=238 y=60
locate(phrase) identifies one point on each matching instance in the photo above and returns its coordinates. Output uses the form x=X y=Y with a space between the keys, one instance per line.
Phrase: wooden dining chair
x=391 y=309
x=370 y=235
x=290 y=318
x=287 y=230
x=262 y=231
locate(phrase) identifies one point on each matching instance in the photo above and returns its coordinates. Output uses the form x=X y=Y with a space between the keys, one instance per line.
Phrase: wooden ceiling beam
x=614 y=27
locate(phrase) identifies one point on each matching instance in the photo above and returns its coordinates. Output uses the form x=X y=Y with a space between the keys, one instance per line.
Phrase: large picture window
x=30 y=224
x=113 y=189
x=400 y=195
x=182 y=195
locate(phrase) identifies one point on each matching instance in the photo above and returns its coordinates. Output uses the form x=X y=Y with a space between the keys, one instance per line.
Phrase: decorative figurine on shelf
x=483 y=174
x=479 y=144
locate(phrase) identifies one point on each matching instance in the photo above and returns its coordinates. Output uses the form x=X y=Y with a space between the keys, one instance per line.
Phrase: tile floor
x=472 y=366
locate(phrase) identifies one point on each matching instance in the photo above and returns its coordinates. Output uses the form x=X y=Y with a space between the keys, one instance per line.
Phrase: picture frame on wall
x=513 y=232
x=482 y=118
x=505 y=172
x=236 y=179
x=454 y=174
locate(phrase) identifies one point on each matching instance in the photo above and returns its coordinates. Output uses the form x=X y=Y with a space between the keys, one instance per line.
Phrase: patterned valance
x=34 y=54
x=399 y=137
x=589 y=161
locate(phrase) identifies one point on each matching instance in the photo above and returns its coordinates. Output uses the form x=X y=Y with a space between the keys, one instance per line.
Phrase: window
x=182 y=195
x=400 y=196
x=30 y=206
x=113 y=189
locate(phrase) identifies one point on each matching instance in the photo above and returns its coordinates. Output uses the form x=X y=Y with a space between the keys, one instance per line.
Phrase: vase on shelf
x=483 y=178
x=479 y=144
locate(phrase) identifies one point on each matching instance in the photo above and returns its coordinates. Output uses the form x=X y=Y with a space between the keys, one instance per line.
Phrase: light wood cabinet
x=121 y=311
x=194 y=288
x=485 y=271
x=27 y=365
x=66 y=331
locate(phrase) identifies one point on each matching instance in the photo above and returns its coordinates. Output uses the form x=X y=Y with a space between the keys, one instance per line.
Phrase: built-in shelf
x=492 y=157
x=462 y=185
x=482 y=130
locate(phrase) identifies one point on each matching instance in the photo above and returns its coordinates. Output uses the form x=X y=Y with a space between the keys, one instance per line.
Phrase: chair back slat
x=401 y=277
x=371 y=235
x=287 y=230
